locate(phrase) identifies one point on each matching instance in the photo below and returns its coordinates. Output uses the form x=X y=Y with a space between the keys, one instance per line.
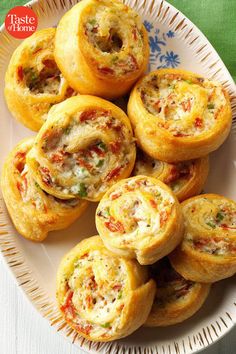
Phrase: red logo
x=21 y=22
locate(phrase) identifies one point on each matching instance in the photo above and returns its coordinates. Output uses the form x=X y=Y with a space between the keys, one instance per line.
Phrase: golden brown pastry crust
x=186 y=179
x=176 y=299
x=178 y=115
x=102 y=296
x=33 y=83
x=140 y=218
x=33 y=212
x=108 y=48
x=85 y=146
x=208 y=251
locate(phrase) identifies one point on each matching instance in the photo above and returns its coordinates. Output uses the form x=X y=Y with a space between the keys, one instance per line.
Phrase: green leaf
x=106 y=325
x=82 y=190
x=100 y=163
x=211 y=106
x=93 y=22
x=37 y=185
x=220 y=216
x=211 y=225
x=189 y=82
x=119 y=295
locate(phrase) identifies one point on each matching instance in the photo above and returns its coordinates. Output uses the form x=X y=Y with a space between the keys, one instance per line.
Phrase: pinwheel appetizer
x=33 y=82
x=85 y=146
x=178 y=115
x=108 y=48
x=176 y=298
x=186 y=179
x=140 y=218
x=103 y=297
x=34 y=212
x=208 y=251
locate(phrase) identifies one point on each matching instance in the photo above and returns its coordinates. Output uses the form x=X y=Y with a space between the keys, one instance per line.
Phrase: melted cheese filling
x=97 y=284
x=182 y=107
x=116 y=35
x=216 y=216
x=136 y=212
x=91 y=151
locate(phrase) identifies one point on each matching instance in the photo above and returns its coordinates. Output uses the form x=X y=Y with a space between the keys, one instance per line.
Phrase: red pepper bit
x=20 y=74
x=88 y=115
x=68 y=307
x=225 y=226
x=115 y=147
x=106 y=71
x=134 y=32
x=85 y=164
x=186 y=105
x=98 y=151
x=45 y=174
x=113 y=174
x=134 y=64
x=198 y=122
x=84 y=329
x=153 y=203
x=117 y=287
x=114 y=226
x=163 y=217
x=115 y=196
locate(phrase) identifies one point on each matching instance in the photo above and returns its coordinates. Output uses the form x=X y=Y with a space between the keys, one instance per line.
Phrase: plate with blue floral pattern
x=175 y=42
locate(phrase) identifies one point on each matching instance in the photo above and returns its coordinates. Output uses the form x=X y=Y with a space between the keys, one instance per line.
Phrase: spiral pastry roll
x=33 y=82
x=140 y=218
x=208 y=251
x=103 y=297
x=34 y=212
x=178 y=115
x=186 y=179
x=176 y=298
x=108 y=48
x=85 y=146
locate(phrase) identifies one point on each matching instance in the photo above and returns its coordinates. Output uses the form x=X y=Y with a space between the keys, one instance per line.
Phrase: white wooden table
x=24 y=331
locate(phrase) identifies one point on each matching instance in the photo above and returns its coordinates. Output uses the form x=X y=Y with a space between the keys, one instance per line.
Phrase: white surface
x=24 y=331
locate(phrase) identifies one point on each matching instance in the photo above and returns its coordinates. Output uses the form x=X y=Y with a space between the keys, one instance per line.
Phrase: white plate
x=175 y=42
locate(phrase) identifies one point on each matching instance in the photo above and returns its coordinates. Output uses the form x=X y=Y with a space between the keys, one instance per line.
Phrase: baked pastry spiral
x=140 y=218
x=33 y=82
x=186 y=179
x=103 y=297
x=85 y=146
x=33 y=212
x=208 y=251
x=108 y=48
x=178 y=115
x=176 y=298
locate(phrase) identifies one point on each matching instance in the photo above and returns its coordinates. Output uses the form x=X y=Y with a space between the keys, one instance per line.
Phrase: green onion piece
x=211 y=106
x=106 y=325
x=100 y=163
x=82 y=190
x=219 y=216
x=211 y=225
x=119 y=295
